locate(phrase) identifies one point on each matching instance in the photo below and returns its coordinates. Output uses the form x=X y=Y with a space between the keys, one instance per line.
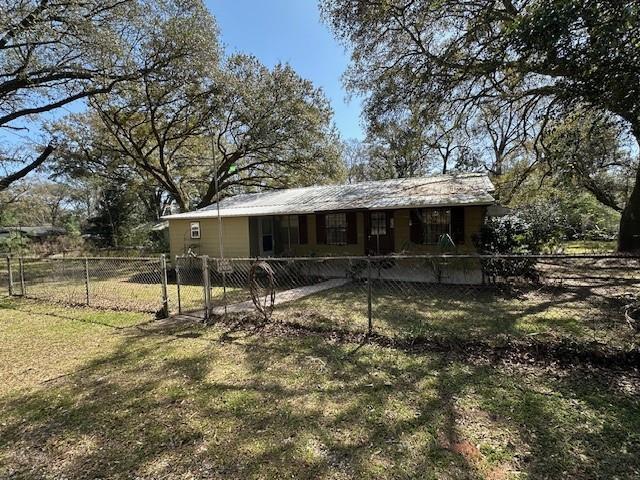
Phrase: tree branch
x=24 y=24
x=9 y=179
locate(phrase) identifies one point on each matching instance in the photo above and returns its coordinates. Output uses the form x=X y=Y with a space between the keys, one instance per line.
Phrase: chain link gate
x=189 y=286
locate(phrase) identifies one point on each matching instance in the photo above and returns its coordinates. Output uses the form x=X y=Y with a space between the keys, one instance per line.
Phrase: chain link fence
x=128 y=284
x=404 y=296
x=485 y=297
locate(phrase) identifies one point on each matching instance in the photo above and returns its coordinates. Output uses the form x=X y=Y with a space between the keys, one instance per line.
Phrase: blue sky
x=290 y=31
x=274 y=31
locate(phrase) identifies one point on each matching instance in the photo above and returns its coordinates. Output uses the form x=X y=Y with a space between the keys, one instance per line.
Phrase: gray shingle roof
x=441 y=190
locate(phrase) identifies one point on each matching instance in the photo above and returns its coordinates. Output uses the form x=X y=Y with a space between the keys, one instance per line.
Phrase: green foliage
x=37 y=202
x=14 y=243
x=533 y=58
x=114 y=222
x=583 y=216
x=585 y=151
x=235 y=121
x=526 y=232
x=54 y=53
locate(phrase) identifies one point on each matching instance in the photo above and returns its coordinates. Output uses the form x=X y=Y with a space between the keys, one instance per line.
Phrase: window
x=378 y=223
x=266 y=233
x=432 y=224
x=289 y=230
x=195 y=229
x=336 y=226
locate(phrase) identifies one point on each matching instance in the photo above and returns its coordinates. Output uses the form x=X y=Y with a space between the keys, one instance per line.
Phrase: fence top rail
x=60 y=259
x=428 y=256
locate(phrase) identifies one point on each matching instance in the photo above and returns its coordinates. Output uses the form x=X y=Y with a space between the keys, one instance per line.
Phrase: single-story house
x=379 y=217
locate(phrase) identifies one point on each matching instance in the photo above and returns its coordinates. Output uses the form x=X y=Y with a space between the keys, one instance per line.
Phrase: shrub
x=527 y=231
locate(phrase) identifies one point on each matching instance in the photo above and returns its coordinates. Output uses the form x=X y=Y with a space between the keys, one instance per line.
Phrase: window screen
x=378 y=223
x=434 y=222
x=336 y=227
x=289 y=230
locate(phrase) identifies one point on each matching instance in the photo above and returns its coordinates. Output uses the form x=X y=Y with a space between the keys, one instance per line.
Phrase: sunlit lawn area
x=469 y=313
x=94 y=394
x=120 y=293
x=589 y=246
x=118 y=284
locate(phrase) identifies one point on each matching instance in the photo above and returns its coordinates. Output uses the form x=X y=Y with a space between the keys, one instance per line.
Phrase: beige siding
x=235 y=237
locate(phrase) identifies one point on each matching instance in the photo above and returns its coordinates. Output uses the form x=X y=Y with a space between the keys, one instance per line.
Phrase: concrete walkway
x=284 y=297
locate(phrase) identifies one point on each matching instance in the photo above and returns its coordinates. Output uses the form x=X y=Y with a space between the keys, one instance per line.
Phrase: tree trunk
x=629 y=237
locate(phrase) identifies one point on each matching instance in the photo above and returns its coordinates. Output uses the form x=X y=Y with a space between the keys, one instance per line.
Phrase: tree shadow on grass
x=164 y=404
x=473 y=313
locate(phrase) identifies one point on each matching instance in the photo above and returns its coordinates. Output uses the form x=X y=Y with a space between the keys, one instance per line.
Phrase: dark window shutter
x=415 y=228
x=321 y=232
x=352 y=228
x=302 y=229
x=457 y=225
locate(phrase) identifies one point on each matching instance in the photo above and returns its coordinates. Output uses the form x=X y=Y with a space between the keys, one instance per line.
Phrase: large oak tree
x=235 y=124
x=57 y=52
x=537 y=54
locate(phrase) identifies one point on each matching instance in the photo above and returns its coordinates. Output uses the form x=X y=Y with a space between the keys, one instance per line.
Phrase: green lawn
x=471 y=314
x=122 y=294
x=589 y=246
x=132 y=285
x=96 y=394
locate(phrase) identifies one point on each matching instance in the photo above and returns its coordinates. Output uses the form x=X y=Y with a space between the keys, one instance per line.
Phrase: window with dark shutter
x=352 y=228
x=302 y=225
x=457 y=225
x=335 y=228
x=321 y=232
x=415 y=227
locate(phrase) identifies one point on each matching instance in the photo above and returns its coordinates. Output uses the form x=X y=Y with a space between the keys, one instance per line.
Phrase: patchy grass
x=470 y=313
x=86 y=394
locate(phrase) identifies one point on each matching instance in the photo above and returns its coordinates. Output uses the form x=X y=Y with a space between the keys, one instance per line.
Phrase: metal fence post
x=163 y=279
x=177 y=266
x=369 y=312
x=21 y=267
x=206 y=286
x=86 y=279
x=224 y=292
x=10 y=275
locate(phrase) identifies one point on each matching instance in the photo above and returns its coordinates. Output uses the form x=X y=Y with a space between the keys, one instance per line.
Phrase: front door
x=265 y=236
x=379 y=229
